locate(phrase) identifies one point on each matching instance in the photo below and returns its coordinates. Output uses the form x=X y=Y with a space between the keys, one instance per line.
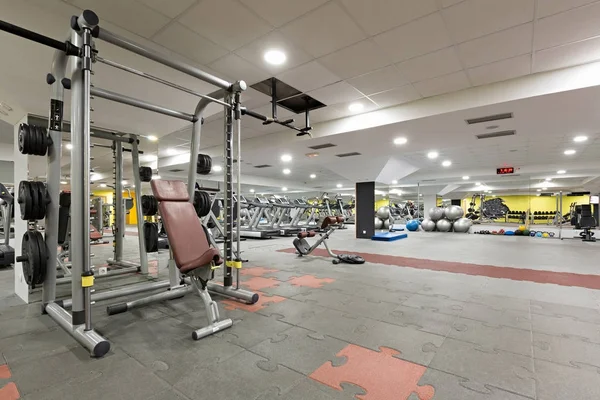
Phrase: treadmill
x=283 y=210
x=255 y=229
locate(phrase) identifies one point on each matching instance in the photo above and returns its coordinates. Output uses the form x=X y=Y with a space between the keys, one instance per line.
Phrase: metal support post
x=238 y=120
x=228 y=195
x=118 y=202
x=135 y=156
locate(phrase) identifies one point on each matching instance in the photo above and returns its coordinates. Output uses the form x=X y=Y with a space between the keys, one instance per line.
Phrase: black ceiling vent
x=496 y=134
x=176 y=170
x=354 y=153
x=322 y=146
x=263 y=166
x=489 y=118
x=578 y=193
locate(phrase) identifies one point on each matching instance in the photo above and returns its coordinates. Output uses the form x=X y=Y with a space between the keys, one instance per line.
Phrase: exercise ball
x=462 y=225
x=428 y=225
x=443 y=225
x=509 y=233
x=378 y=223
x=386 y=224
x=521 y=228
x=545 y=234
x=412 y=225
x=453 y=213
x=436 y=213
x=383 y=212
x=538 y=234
x=526 y=232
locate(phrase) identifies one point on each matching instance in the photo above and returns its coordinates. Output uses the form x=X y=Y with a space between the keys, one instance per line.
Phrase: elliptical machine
x=329 y=225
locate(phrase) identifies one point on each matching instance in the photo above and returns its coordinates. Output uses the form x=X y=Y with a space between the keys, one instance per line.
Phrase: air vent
x=263 y=166
x=176 y=170
x=578 y=194
x=428 y=180
x=509 y=175
x=322 y=146
x=490 y=118
x=496 y=134
x=354 y=153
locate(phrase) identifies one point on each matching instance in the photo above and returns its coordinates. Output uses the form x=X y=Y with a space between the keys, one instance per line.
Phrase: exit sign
x=505 y=170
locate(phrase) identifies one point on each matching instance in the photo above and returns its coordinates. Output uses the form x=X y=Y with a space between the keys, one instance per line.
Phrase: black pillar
x=365 y=210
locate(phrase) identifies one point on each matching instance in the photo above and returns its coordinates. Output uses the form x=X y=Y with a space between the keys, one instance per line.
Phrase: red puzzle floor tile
x=4 y=372
x=256 y=271
x=263 y=301
x=310 y=281
x=379 y=374
x=9 y=392
x=259 y=283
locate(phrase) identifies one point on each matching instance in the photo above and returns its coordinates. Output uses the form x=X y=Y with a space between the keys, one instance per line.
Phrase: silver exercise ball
x=378 y=223
x=443 y=225
x=436 y=213
x=453 y=213
x=386 y=224
x=383 y=212
x=462 y=225
x=428 y=225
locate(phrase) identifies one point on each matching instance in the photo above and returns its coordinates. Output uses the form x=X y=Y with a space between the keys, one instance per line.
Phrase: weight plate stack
x=65 y=199
x=33 y=140
x=201 y=203
x=34 y=258
x=149 y=205
x=33 y=200
x=151 y=237
x=145 y=174
x=204 y=164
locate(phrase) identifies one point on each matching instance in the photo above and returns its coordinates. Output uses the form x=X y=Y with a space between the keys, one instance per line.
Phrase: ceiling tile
x=309 y=76
x=237 y=68
x=344 y=110
x=379 y=81
x=443 y=84
x=280 y=12
x=501 y=70
x=497 y=46
x=448 y=3
x=577 y=24
x=325 y=114
x=393 y=97
x=439 y=63
x=355 y=60
x=170 y=8
x=252 y=98
x=567 y=55
x=550 y=7
x=336 y=93
x=323 y=30
x=224 y=22
x=415 y=38
x=376 y=16
x=127 y=13
x=254 y=52
x=189 y=44
x=474 y=18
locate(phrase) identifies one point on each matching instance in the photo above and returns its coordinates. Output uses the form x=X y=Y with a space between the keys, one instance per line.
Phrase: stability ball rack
x=72 y=69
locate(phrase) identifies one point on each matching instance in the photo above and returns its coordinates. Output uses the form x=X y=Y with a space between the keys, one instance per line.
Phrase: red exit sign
x=505 y=170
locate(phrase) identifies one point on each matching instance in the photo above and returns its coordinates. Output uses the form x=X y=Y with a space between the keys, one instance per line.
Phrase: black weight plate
x=45 y=140
x=35 y=140
x=25 y=200
x=145 y=174
x=33 y=255
x=27 y=265
x=43 y=252
x=36 y=196
x=43 y=197
x=65 y=199
x=22 y=139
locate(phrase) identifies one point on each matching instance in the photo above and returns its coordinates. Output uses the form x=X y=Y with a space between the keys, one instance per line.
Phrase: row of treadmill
x=264 y=218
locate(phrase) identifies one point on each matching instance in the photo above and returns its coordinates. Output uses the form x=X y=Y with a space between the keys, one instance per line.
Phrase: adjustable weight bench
x=195 y=258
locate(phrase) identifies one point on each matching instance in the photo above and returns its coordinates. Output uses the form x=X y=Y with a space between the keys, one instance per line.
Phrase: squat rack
x=73 y=59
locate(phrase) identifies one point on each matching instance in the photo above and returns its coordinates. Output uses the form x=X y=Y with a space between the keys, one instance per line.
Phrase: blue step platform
x=388 y=236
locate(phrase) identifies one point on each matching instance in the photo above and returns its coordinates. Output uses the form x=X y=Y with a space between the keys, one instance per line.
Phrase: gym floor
x=434 y=316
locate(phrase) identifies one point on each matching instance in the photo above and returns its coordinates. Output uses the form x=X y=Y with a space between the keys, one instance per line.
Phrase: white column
x=429 y=201
x=21 y=172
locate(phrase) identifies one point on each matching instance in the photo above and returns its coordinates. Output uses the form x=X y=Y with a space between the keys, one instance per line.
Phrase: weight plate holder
x=34 y=256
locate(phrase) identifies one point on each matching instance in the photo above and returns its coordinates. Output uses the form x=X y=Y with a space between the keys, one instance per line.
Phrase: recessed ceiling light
x=63 y=182
x=287 y=171
x=420 y=194
x=478 y=183
x=339 y=185
x=447 y=163
x=284 y=189
x=152 y=138
x=69 y=146
x=394 y=182
x=400 y=140
x=580 y=139
x=570 y=152
x=123 y=182
x=561 y=172
x=539 y=190
x=103 y=185
x=313 y=176
x=275 y=57
x=432 y=155
x=252 y=190
x=356 y=107
x=94 y=177
x=548 y=179
x=465 y=178
x=217 y=168
x=544 y=188
x=286 y=158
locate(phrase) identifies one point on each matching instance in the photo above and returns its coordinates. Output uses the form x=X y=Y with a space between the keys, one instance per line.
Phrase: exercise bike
x=329 y=225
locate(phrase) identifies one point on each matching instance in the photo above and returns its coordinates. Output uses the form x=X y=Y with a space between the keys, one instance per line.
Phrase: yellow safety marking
x=87 y=281
x=214 y=266
x=234 y=264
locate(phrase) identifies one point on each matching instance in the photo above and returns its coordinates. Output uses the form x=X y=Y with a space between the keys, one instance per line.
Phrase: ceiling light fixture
x=561 y=172
x=570 y=152
x=69 y=146
x=286 y=158
x=275 y=57
x=217 y=168
x=123 y=182
x=544 y=188
x=394 y=182
x=339 y=185
x=284 y=189
x=152 y=138
x=313 y=176
x=400 y=141
x=579 y=139
x=447 y=163
x=103 y=185
x=466 y=178
x=539 y=190
x=477 y=183
x=356 y=107
x=432 y=155
x=548 y=179
x=63 y=182
x=287 y=171
x=252 y=190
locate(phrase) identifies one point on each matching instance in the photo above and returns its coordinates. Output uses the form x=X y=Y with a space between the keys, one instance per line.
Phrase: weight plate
x=45 y=140
x=40 y=271
x=41 y=192
x=22 y=140
x=35 y=143
x=145 y=174
x=25 y=200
